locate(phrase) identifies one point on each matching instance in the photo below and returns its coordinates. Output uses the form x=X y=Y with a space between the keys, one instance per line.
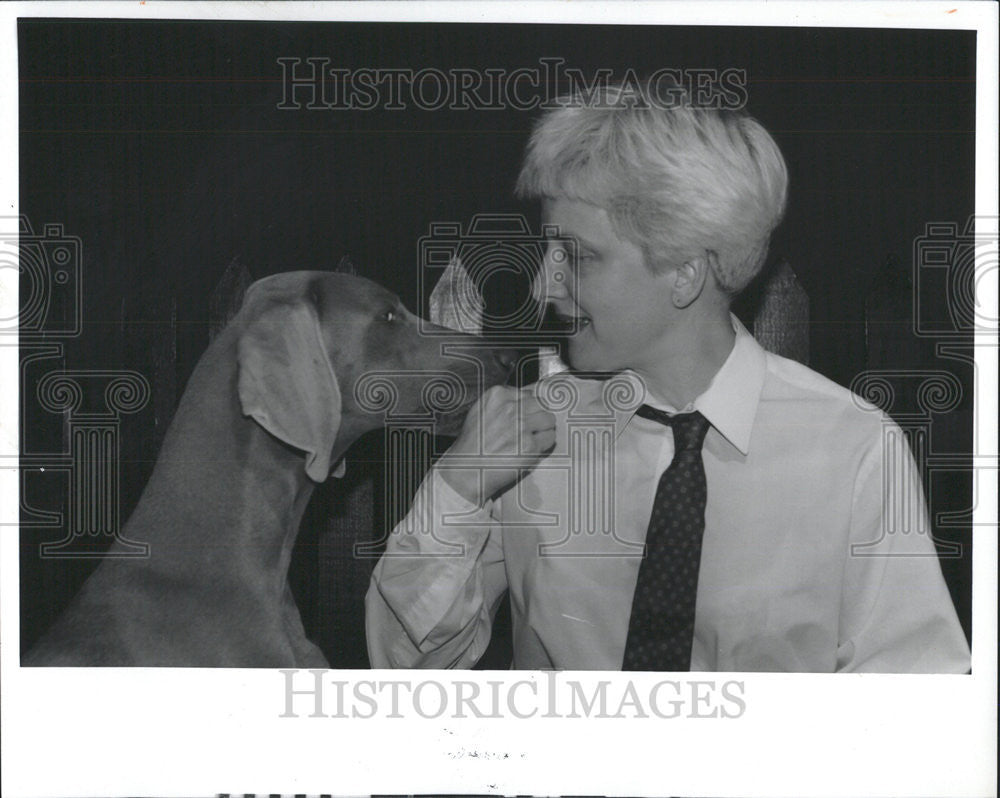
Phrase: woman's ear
x=689 y=280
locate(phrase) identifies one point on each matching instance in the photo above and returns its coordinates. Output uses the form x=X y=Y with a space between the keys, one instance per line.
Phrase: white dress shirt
x=816 y=555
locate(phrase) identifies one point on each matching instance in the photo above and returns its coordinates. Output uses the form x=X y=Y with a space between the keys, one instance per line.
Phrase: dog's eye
x=389 y=315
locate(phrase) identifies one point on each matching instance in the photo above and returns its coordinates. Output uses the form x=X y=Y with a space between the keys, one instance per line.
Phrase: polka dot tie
x=661 y=628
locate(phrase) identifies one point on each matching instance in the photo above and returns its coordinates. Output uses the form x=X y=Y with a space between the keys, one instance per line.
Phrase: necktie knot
x=689 y=428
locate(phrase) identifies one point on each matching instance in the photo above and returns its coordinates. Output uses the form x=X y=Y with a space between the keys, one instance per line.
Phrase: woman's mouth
x=570 y=324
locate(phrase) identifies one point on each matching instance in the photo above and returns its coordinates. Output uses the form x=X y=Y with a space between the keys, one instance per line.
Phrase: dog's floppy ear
x=286 y=380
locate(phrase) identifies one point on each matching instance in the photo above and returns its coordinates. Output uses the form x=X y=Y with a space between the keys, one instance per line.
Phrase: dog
x=272 y=406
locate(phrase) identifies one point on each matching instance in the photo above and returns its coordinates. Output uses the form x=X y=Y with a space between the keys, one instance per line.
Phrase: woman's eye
x=558 y=255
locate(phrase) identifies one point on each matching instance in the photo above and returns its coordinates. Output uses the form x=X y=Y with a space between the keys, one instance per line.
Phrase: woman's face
x=620 y=308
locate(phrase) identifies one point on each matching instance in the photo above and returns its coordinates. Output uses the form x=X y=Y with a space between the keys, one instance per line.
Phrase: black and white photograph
x=480 y=395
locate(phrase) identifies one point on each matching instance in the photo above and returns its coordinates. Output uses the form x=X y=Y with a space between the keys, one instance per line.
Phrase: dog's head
x=324 y=357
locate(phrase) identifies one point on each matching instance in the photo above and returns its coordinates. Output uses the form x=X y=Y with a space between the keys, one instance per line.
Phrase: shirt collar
x=730 y=401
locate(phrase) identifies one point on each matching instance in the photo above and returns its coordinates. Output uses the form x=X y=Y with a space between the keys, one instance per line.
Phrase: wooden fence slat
x=350 y=512
x=227 y=296
x=781 y=323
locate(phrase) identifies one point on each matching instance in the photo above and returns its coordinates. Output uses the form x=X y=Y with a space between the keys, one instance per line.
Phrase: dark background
x=161 y=147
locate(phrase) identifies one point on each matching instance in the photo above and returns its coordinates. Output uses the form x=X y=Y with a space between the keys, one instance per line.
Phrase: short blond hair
x=677 y=181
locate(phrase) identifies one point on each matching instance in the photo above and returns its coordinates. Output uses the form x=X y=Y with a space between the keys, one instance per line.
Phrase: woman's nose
x=550 y=282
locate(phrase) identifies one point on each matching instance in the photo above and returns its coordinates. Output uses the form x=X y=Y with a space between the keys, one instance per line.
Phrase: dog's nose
x=506 y=358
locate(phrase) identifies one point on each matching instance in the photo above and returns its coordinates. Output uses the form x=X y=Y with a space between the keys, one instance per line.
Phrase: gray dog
x=270 y=409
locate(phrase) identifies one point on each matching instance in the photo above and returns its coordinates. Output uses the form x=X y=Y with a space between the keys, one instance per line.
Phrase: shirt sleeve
x=896 y=613
x=435 y=590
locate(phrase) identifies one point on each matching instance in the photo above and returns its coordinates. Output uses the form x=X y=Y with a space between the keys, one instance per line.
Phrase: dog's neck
x=205 y=455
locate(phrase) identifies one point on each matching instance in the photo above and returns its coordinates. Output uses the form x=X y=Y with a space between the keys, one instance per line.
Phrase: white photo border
x=78 y=732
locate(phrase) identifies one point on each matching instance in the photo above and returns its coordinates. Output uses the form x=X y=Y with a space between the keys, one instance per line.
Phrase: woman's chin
x=587 y=358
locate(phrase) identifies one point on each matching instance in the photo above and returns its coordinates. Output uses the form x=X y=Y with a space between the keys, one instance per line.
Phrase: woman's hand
x=505 y=433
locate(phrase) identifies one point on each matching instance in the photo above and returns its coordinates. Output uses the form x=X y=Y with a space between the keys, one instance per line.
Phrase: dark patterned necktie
x=661 y=628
